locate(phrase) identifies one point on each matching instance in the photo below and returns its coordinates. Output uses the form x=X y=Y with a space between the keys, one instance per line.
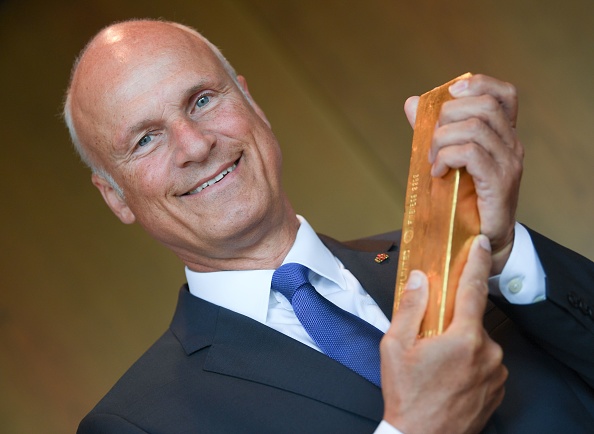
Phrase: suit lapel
x=243 y=348
x=378 y=279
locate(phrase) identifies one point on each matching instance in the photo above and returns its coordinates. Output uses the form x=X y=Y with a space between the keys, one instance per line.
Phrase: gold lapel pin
x=381 y=257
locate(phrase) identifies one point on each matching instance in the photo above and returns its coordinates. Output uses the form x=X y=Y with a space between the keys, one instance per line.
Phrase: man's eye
x=202 y=101
x=145 y=140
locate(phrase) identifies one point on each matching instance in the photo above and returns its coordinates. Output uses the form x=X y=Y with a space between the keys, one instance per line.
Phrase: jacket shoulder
x=375 y=243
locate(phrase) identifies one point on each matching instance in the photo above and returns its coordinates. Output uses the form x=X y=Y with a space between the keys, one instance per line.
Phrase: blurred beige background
x=82 y=296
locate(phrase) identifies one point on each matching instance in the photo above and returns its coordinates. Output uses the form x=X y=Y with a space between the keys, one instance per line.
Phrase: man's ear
x=243 y=83
x=113 y=199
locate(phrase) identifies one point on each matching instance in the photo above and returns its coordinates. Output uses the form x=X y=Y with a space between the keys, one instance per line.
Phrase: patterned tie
x=341 y=335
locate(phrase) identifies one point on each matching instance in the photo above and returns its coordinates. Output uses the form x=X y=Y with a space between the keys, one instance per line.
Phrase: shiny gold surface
x=440 y=220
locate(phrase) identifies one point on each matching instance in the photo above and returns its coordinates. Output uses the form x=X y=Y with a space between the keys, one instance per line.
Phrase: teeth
x=213 y=180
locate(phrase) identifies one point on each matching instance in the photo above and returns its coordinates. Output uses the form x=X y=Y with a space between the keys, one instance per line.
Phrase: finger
x=483 y=109
x=504 y=93
x=466 y=131
x=471 y=298
x=413 y=303
x=490 y=173
x=410 y=109
x=477 y=161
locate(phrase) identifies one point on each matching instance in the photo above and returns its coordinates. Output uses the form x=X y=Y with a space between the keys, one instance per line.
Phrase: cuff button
x=515 y=285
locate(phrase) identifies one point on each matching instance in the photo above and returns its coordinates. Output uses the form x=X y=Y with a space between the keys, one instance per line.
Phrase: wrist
x=500 y=256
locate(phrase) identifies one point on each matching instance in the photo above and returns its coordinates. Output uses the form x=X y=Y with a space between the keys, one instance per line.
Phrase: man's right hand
x=450 y=383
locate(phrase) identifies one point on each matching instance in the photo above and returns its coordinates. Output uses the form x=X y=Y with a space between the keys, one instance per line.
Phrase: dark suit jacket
x=215 y=371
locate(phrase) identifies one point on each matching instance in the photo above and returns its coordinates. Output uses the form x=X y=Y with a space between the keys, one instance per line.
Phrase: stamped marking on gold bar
x=440 y=220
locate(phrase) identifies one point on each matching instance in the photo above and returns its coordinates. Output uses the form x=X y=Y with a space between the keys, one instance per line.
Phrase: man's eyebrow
x=200 y=86
x=137 y=127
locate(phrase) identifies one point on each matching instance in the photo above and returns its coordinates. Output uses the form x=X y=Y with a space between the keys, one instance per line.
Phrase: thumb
x=410 y=109
x=413 y=303
x=471 y=297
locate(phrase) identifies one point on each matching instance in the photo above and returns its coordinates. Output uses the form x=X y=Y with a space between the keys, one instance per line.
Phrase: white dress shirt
x=248 y=292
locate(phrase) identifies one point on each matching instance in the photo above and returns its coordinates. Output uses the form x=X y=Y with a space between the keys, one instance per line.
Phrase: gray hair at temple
x=67 y=114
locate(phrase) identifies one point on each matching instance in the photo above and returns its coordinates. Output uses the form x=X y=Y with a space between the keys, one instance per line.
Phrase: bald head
x=105 y=58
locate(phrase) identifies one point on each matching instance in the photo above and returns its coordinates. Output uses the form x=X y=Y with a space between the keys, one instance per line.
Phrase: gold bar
x=440 y=220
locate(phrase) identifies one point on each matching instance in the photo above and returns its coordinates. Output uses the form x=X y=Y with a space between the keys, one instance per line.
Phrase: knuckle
x=476 y=124
x=481 y=286
x=391 y=343
x=444 y=110
x=388 y=340
x=471 y=343
x=511 y=170
x=489 y=102
x=511 y=90
x=518 y=164
x=388 y=346
x=438 y=137
x=520 y=151
x=472 y=150
x=496 y=353
x=444 y=116
x=504 y=373
x=479 y=79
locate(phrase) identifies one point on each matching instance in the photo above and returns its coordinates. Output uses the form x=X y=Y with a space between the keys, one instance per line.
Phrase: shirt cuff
x=522 y=280
x=385 y=428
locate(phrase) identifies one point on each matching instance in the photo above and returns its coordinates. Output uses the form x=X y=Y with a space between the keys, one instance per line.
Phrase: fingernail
x=458 y=87
x=414 y=280
x=484 y=242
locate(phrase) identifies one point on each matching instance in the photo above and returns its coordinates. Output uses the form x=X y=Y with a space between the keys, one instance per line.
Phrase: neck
x=262 y=248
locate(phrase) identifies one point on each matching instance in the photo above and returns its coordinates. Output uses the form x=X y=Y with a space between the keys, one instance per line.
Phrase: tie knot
x=288 y=278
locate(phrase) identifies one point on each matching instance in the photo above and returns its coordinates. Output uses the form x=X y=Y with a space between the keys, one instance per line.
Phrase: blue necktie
x=341 y=335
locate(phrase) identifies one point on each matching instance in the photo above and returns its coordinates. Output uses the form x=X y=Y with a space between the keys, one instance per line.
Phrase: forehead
x=147 y=54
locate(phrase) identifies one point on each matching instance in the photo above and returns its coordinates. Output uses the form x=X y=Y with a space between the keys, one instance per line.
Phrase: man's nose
x=192 y=142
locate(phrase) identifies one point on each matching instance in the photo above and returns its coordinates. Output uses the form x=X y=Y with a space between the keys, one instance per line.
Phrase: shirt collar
x=247 y=291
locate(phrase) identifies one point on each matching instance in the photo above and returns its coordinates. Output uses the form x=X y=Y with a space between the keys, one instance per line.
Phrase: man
x=177 y=144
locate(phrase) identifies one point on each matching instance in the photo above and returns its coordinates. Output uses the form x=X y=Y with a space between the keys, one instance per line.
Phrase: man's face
x=194 y=156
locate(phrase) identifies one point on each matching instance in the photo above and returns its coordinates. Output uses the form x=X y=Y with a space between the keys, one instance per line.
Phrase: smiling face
x=195 y=157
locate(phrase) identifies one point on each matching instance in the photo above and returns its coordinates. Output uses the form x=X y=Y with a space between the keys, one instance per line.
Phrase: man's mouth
x=212 y=181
